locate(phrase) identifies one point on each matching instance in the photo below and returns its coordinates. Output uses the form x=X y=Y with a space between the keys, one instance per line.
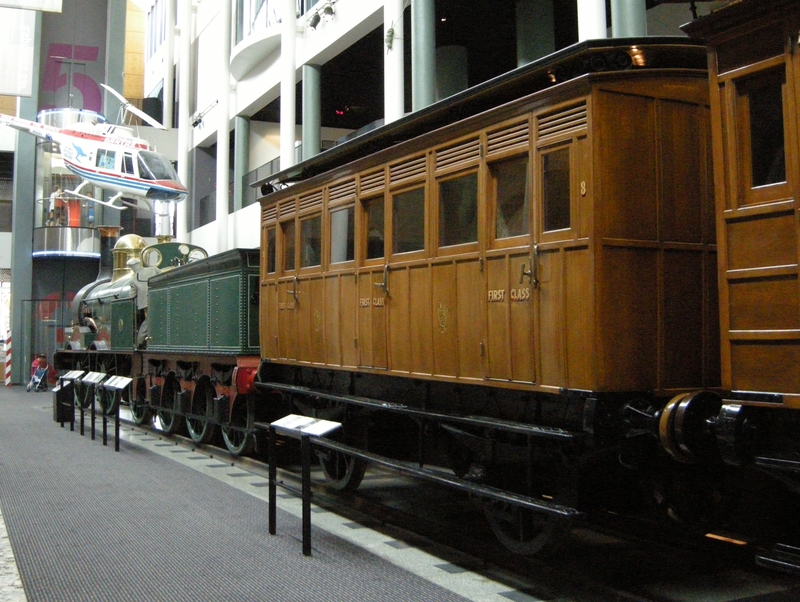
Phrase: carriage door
x=509 y=353
x=371 y=318
x=286 y=290
x=561 y=255
x=308 y=290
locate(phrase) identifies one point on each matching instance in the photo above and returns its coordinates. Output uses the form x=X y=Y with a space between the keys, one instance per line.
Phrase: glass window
x=767 y=150
x=105 y=158
x=556 y=193
x=512 y=197
x=375 y=229
x=458 y=210
x=288 y=245
x=127 y=163
x=343 y=225
x=408 y=221
x=311 y=241
x=271 y=251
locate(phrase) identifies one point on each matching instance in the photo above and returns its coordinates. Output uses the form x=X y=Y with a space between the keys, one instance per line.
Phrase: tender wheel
x=526 y=532
x=140 y=410
x=171 y=422
x=238 y=433
x=200 y=428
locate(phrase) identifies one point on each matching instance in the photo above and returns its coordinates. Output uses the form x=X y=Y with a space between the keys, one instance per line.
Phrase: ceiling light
x=313 y=21
x=327 y=11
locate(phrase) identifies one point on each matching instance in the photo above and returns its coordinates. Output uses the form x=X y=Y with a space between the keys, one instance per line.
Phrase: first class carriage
x=569 y=291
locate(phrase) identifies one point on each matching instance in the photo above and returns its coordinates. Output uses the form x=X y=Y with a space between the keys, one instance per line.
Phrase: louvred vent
x=568 y=121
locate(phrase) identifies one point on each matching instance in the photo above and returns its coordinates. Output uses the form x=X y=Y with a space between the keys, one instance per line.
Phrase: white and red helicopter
x=111 y=157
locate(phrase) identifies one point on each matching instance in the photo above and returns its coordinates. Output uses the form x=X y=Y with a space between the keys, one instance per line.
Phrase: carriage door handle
x=385 y=284
x=533 y=273
x=294 y=292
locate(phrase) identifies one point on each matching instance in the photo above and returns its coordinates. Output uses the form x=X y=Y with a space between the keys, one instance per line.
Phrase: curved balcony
x=253 y=49
x=64 y=241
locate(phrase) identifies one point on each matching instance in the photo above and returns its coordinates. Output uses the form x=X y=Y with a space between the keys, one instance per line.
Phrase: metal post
x=305 y=459
x=273 y=474
x=83 y=413
x=72 y=414
x=105 y=428
x=94 y=411
x=116 y=430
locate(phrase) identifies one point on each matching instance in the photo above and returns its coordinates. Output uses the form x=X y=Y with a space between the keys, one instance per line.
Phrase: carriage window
x=374 y=214
x=408 y=221
x=288 y=245
x=764 y=97
x=343 y=224
x=556 y=189
x=458 y=210
x=105 y=158
x=512 y=197
x=271 y=251
x=311 y=241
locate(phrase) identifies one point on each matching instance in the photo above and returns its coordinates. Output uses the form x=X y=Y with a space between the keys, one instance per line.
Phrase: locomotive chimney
x=108 y=238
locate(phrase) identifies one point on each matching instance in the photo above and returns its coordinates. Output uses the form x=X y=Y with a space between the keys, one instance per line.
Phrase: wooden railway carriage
x=754 y=68
x=514 y=265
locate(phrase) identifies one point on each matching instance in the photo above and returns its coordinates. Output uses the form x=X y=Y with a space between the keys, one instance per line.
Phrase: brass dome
x=127 y=247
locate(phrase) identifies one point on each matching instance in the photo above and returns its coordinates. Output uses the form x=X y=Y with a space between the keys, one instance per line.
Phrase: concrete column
x=628 y=18
x=241 y=163
x=312 y=111
x=451 y=71
x=115 y=59
x=288 y=82
x=24 y=192
x=169 y=67
x=592 y=20
x=423 y=53
x=223 y=126
x=536 y=35
x=393 y=66
x=184 y=115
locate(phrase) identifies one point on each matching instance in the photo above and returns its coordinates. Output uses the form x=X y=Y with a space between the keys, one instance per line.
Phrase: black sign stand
x=303 y=428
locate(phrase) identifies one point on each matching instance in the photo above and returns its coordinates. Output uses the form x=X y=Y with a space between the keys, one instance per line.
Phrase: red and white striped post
x=8 y=358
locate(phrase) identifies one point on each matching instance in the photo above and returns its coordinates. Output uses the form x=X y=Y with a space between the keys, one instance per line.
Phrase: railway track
x=605 y=561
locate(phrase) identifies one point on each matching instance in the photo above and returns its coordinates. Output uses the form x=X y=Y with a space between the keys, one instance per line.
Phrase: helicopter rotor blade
x=127 y=106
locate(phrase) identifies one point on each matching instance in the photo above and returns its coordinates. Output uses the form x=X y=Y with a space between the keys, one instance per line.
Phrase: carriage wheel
x=343 y=471
x=200 y=427
x=238 y=433
x=525 y=532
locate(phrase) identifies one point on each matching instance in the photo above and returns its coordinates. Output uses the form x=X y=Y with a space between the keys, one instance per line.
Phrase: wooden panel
x=551 y=319
x=498 y=350
x=630 y=188
x=349 y=323
x=767 y=366
x=399 y=323
x=763 y=241
x=470 y=318
x=371 y=320
x=520 y=307
x=316 y=323
x=579 y=310
x=268 y=320
x=444 y=305
x=422 y=325
x=684 y=185
x=333 y=320
x=629 y=318
x=683 y=319
x=304 y=320
x=765 y=303
x=287 y=320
